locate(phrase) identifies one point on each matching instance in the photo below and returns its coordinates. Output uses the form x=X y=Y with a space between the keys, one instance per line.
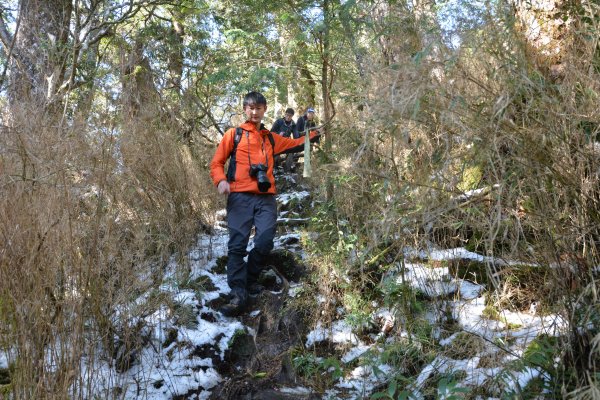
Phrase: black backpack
x=236 y=140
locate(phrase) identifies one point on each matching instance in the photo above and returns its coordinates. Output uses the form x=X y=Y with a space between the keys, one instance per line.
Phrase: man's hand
x=223 y=187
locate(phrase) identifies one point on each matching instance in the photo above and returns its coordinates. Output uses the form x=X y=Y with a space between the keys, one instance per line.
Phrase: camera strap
x=232 y=161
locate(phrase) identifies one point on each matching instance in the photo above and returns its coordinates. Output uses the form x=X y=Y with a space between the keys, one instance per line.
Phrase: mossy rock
x=287 y=264
x=241 y=347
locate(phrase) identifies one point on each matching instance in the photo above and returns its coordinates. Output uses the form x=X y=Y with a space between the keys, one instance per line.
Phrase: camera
x=259 y=171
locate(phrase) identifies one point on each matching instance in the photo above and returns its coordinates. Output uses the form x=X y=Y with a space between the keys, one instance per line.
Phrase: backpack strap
x=270 y=136
x=232 y=162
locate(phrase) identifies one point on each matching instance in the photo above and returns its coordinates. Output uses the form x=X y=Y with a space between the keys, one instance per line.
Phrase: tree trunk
x=176 y=53
x=544 y=25
x=40 y=52
x=326 y=82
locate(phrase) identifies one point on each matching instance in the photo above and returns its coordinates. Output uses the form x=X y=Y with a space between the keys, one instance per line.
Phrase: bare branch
x=5 y=37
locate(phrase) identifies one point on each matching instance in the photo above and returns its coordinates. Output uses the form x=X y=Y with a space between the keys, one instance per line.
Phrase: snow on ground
x=167 y=365
x=285 y=198
x=339 y=332
x=468 y=311
x=437 y=282
x=175 y=367
x=163 y=371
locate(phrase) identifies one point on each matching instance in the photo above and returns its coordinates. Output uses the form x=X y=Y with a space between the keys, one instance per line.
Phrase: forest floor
x=192 y=351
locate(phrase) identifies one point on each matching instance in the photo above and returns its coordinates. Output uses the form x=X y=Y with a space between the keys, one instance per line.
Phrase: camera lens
x=263 y=181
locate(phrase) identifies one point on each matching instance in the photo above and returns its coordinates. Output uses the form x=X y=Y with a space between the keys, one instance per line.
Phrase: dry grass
x=89 y=217
x=499 y=120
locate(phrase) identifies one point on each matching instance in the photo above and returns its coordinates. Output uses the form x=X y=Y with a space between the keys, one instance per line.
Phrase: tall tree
x=38 y=50
x=49 y=40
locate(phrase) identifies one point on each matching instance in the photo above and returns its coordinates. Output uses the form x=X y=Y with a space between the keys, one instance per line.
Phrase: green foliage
x=185 y=315
x=406 y=355
x=542 y=352
x=448 y=389
x=398 y=295
x=394 y=392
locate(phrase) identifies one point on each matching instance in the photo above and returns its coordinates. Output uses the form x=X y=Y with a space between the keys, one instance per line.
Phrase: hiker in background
x=250 y=186
x=306 y=122
x=285 y=127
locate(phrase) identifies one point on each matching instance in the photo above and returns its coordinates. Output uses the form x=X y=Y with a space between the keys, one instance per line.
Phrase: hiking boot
x=233 y=308
x=255 y=288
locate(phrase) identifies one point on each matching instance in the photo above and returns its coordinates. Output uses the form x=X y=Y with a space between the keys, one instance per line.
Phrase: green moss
x=5 y=390
x=471 y=178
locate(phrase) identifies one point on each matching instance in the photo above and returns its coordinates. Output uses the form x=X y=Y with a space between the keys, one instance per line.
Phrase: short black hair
x=290 y=111
x=254 y=98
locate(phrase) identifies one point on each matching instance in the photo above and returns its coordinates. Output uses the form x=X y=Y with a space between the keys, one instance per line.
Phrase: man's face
x=310 y=115
x=288 y=117
x=255 y=112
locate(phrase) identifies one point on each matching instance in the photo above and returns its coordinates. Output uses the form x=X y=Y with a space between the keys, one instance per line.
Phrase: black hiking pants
x=245 y=210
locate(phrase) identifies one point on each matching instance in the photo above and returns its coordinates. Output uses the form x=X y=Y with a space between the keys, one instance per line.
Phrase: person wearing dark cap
x=306 y=122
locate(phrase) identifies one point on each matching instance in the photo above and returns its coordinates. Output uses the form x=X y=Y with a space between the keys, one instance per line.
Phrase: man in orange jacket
x=250 y=189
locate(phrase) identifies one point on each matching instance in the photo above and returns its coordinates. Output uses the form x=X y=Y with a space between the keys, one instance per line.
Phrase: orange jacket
x=259 y=147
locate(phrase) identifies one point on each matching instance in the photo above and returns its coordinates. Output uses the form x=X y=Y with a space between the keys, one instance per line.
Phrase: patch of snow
x=286 y=198
x=433 y=282
x=469 y=290
x=449 y=339
x=294 y=289
x=520 y=379
x=186 y=297
x=297 y=391
x=365 y=379
x=355 y=352
x=222 y=213
x=457 y=253
x=219 y=280
x=339 y=332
